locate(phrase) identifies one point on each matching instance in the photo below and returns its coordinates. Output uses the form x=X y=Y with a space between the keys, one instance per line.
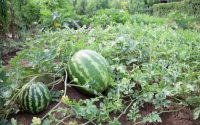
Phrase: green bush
x=142 y=6
x=164 y=9
x=55 y=13
x=136 y=6
x=3 y=16
x=105 y=17
x=191 y=7
x=181 y=20
x=30 y=12
x=146 y=19
x=89 y=7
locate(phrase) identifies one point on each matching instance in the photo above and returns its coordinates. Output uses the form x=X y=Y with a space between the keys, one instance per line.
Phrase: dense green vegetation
x=16 y=16
x=154 y=60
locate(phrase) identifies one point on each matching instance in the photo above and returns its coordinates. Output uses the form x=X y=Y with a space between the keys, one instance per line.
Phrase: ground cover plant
x=152 y=64
x=153 y=61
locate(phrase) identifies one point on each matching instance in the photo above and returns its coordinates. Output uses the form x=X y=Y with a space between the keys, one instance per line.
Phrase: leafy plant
x=154 y=64
x=3 y=15
x=105 y=17
x=182 y=20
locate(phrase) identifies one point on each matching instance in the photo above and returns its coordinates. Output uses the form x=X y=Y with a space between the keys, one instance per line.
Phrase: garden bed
x=182 y=117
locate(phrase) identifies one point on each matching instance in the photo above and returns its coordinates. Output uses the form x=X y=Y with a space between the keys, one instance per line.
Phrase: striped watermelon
x=35 y=97
x=90 y=70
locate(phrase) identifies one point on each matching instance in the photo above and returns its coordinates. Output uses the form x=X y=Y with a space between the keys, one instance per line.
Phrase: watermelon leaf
x=196 y=113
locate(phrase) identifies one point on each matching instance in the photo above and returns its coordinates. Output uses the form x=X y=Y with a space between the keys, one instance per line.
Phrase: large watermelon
x=90 y=70
x=35 y=97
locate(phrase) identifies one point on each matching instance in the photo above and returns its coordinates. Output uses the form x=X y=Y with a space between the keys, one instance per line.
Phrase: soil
x=6 y=57
x=182 y=117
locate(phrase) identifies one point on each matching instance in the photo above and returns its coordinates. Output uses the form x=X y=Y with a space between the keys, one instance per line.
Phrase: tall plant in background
x=94 y=5
x=136 y=6
x=56 y=13
x=3 y=16
x=116 y=4
x=14 y=6
x=142 y=6
x=103 y=4
x=81 y=7
x=28 y=13
x=10 y=12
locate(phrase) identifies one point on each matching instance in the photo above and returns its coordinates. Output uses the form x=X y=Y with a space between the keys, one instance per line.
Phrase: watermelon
x=90 y=70
x=35 y=97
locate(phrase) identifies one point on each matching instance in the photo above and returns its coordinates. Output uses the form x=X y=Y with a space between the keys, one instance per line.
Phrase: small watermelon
x=35 y=97
x=90 y=70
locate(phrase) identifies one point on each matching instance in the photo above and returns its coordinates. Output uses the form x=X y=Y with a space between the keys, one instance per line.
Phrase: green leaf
x=114 y=122
x=196 y=113
x=134 y=113
x=46 y=122
x=56 y=95
x=152 y=117
x=14 y=121
x=193 y=100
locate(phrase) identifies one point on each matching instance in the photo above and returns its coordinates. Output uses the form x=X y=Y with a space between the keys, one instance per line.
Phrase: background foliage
x=17 y=16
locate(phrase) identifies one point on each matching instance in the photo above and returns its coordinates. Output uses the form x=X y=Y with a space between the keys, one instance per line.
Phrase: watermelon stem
x=65 y=84
x=168 y=111
x=65 y=92
x=55 y=83
x=62 y=120
x=124 y=112
x=89 y=122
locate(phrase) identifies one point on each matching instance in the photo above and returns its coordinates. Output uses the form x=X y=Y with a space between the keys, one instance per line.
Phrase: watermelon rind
x=90 y=71
x=35 y=97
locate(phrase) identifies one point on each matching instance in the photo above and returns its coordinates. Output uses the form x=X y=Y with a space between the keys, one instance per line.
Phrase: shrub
x=105 y=17
x=90 y=6
x=55 y=13
x=95 y=5
x=146 y=19
x=136 y=6
x=3 y=16
x=142 y=6
x=191 y=7
x=81 y=7
x=182 y=20
x=119 y=4
x=30 y=13
x=164 y=9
